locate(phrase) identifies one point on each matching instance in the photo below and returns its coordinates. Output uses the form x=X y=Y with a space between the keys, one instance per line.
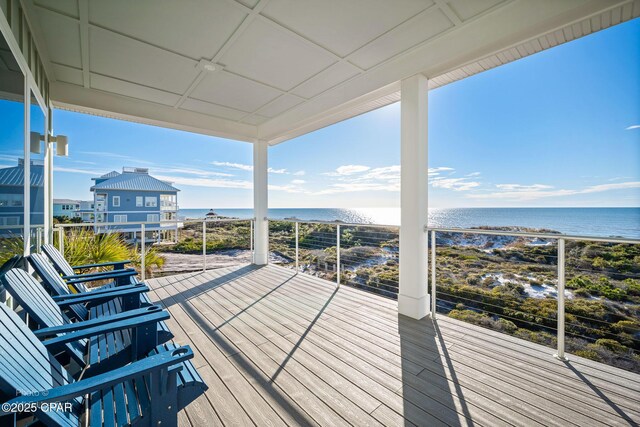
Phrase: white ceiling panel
x=466 y=9
x=280 y=105
x=328 y=78
x=133 y=90
x=62 y=37
x=127 y=59
x=68 y=74
x=274 y=56
x=248 y=3
x=235 y=92
x=212 y=109
x=255 y=120
x=274 y=69
x=204 y=24
x=342 y=26
x=422 y=28
x=67 y=7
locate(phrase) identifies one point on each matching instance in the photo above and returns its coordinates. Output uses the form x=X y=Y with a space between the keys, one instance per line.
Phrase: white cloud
x=519 y=187
x=190 y=171
x=348 y=170
x=289 y=188
x=473 y=174
x=231 y=165
x=358 y=186
x=75 y=170
x=277 y=171
x=298 y=181
x=299 y=173
x=206 y=182
x=633 y=127
x=455 y=184
x=438 y=170
x=539 y=191
x=355 y=178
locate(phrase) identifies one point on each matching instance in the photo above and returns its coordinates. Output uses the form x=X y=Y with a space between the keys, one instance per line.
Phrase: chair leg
x=164 y=397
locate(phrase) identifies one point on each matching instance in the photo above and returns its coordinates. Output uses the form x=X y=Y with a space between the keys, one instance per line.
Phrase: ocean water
x=604 y=222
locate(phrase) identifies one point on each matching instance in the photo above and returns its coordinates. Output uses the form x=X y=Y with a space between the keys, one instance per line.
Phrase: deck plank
x=283 y=349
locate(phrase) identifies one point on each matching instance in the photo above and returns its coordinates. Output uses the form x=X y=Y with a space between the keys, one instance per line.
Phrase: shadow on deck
x=283 y=349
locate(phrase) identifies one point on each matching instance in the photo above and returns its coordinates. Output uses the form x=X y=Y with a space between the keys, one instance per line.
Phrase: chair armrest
x=86 y=324
x=101 y=291
x=100 y=275
x=99 y=297
x=150 y=364
x=113 y=264
x=53 y=344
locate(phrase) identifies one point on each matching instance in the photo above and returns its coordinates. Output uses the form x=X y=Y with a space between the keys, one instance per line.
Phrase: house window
x=153 y=217
x=139 y=202
x=116 y=201
x=150 y=202
x=11 y=200
x=119 y=218
x=9 y=220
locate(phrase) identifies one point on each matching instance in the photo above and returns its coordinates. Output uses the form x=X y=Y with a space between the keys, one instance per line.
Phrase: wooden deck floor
x=280 y=349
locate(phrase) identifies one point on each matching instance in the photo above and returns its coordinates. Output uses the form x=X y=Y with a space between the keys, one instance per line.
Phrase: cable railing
x=161 y=248
x=363 y=256
x=579 y=294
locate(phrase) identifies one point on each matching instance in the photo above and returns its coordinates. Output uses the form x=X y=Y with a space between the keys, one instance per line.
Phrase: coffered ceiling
x=274 y=69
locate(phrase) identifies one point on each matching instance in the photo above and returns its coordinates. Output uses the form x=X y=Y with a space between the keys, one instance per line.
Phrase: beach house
x=133 y=196
x=278 y=346
x=66 y=208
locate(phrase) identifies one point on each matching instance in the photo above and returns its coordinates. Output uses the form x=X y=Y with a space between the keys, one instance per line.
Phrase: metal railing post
x=61 y=240
x=297 y=240
x=39 y=232
x=143 y=253
x=338 y=254
x=561 y=280
x=253 y=257
x=204 y=246
x=433 y=274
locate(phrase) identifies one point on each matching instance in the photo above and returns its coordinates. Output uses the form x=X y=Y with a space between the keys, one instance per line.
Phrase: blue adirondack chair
x=118 y=272
x=56 y=285
x=119 y=338
x=144 y=393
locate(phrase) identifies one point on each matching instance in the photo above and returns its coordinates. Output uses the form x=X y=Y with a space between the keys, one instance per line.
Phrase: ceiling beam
x=83 y=12
x=91 y=101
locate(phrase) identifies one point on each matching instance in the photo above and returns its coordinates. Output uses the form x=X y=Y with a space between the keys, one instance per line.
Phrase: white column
x=413 y=298
x=260 y=202
x=27 y=169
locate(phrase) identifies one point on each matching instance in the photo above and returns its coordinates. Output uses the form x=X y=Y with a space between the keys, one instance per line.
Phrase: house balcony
x=344 y=324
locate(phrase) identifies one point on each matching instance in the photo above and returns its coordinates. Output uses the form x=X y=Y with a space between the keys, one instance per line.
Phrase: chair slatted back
x=38 y=304
x=54 y=283
x=60 y=264
x=27 y=367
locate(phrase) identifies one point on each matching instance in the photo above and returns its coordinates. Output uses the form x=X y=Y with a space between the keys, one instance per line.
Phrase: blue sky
x=559 y=128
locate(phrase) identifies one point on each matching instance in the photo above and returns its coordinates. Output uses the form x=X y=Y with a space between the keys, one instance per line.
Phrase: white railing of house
x=141 y=227
x=561 y=239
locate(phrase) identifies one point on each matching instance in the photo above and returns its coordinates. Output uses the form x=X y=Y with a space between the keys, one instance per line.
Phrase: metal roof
x=14 y=176
x=111 y=174
x=134 y=181
x=65 y=201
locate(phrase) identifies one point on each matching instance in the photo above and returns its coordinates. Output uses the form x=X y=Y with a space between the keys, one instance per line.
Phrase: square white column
x=260 y=202
x=413 y=297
